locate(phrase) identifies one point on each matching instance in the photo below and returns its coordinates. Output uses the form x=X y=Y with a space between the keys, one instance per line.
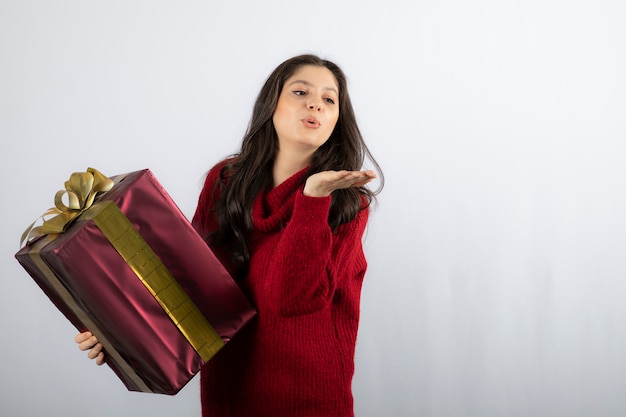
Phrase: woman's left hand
x=87 y=341
x=324 y=183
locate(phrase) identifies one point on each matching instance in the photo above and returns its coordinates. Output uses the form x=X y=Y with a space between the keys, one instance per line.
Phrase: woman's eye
x=300 y=93
x=330 y=101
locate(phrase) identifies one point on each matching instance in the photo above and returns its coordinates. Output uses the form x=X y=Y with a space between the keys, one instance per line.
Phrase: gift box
x=129 y=267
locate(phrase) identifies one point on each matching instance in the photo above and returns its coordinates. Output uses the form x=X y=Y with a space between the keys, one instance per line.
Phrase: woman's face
x=307 y=109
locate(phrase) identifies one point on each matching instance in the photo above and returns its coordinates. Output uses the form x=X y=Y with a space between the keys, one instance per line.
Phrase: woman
x=286 y=215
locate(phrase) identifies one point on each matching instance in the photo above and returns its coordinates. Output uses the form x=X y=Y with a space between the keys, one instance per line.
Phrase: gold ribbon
x=138 y=255
x=81 y=190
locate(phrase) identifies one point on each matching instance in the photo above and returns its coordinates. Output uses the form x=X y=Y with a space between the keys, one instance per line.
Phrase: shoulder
x=203 y=219
x=213 y=182
x=215 y=178
x=217 y=172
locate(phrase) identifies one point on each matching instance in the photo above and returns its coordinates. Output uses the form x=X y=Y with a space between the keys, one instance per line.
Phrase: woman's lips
x=311 y=122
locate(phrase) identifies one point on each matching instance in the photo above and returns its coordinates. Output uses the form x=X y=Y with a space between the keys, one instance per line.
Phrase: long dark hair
x=250 y=170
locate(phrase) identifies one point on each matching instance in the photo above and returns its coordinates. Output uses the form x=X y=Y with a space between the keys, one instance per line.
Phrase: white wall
x=497 y=253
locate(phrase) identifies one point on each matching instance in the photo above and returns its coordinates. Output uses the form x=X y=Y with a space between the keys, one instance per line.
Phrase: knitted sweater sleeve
x=311 y=264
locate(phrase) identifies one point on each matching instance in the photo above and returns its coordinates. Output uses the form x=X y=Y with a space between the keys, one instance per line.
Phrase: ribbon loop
x=81 y=190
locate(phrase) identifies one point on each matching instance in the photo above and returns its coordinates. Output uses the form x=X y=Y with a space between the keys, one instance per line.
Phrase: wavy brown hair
x=250 y=170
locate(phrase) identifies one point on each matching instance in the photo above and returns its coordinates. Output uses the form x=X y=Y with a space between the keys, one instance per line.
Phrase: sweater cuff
x=311 y=210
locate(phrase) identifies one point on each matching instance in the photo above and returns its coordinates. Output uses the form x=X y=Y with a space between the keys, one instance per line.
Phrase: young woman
x=286 y=215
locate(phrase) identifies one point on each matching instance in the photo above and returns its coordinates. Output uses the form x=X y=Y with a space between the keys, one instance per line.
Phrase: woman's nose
x=314 y=104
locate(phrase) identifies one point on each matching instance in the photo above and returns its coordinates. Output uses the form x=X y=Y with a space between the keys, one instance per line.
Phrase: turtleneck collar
x=273 y=208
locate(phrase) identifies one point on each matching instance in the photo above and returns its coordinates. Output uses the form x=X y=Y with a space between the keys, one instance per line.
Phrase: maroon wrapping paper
x=126 y=315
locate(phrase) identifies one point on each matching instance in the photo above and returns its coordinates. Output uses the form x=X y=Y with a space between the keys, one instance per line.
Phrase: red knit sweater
x=297 y=357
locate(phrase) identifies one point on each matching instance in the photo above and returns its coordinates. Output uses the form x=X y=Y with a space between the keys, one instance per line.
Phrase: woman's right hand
x=87 y=341
x=322 y=184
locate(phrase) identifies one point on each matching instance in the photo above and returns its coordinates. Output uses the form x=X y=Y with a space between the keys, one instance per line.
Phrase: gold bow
x=81 y=190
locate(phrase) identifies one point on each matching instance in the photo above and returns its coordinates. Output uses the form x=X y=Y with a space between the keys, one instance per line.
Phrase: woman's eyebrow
x=308 y=84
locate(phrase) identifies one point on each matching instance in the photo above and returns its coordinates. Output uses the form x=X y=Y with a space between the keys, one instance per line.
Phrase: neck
x=286 y=164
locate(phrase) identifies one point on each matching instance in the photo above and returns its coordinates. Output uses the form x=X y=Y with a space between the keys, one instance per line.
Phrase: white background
x=497 y=253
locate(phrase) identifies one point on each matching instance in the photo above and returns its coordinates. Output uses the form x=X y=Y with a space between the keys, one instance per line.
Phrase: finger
x=95 y=352
x=88 y=344
x=362 y=183
x=100 y=359
x=366 y=174
x=356 y=179
x=81 y=337
x=358 y=175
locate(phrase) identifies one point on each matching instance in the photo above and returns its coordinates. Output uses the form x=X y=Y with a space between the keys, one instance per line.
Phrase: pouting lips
x=311 y=122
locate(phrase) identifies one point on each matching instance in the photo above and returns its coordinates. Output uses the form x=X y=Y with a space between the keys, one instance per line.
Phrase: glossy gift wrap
x=130 y=268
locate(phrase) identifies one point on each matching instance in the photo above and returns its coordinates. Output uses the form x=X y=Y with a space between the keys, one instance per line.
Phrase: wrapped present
x=129 y=267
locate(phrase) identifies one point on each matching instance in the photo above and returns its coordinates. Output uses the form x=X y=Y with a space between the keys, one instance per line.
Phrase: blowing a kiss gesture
x=324 y=183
